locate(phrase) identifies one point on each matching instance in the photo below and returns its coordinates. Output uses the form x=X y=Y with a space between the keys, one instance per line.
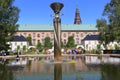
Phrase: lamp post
x=56 y=7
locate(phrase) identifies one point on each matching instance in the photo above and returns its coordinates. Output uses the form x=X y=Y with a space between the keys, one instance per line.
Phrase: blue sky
x=39 y=11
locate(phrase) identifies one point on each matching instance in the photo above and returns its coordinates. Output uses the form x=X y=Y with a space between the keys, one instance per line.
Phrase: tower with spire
x=77 y=19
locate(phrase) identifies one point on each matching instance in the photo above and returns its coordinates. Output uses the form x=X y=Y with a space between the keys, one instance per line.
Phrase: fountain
x=56 y=7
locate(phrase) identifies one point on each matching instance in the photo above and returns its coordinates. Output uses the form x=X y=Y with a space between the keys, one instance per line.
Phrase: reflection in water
x=57 y=72
x=101 y=60
x=110 y=72
x=83 y=68
x=29 y=65
x=5 y=74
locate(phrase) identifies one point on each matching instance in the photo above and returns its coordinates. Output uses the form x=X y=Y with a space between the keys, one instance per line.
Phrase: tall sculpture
x=56 y=7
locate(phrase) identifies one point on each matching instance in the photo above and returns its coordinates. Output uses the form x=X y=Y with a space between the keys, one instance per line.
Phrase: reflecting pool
x=77 y=68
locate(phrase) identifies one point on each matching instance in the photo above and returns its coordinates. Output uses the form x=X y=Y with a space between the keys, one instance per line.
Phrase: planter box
x=111 y=51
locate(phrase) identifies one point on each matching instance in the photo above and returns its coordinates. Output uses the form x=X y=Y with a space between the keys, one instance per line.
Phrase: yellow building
x=39 y=31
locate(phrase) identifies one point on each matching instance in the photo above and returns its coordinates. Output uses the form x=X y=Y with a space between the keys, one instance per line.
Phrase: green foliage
x=70 y=43
x=98 y=46
x=86 y=46
x=101 y=25
x=47 y=43
x=105 y=46
x=105 y=31
x=63 y=45
x=116 y=46
x=11 y=53
x=8 y=18
x=39 y=46
x=98 y=51
x=112 y=11
x=31 y=51
x=95 y=51
x=87 y=52
x=18 y=47
x=24 y=48
x=29 y=39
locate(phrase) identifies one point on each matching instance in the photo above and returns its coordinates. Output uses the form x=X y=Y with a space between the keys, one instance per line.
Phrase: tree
x=116 y=46
x=24 y=48
x=29 y=39
x=8 y=18
x=39 y=46
x=104 y=31
x=18 y=47
x=112 y=11
x=63 y=45
x=98 y=46
x=47 y=43
x=70 y=43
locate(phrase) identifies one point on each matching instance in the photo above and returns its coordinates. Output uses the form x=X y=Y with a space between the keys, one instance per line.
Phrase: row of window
x=38 y=35
x=64 y=34
x=77 y=41
x=14 y=44
x=77 y=35
x=92 y=42
x=37 y=41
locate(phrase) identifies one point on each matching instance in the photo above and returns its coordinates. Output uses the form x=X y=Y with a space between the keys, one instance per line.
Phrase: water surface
x=83 y=68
